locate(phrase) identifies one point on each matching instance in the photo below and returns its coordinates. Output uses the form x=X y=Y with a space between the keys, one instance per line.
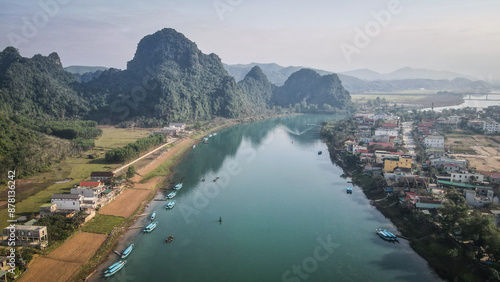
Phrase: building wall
x=465 y=177
x=66 y=204
x=433 y=142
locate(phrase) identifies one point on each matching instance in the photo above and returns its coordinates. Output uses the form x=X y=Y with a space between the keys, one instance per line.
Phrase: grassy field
x=34 y=191
x=391 y=98
x=103 y=224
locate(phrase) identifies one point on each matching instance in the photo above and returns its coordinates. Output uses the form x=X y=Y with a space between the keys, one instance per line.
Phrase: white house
x=466 y=177
x=386 y=132
x=89 y=189
x=67 y=201
x=491 y=127
x=480 y=197
x=434 y=141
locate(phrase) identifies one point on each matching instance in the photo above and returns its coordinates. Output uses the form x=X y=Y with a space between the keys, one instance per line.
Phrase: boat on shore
x=171 y=195
x=127 y=251
x=170 y=205
x=150 y=227
x=386 y=235
x=115 y=269
x=169 y=239
x=153 y=216
x=349 y=190
x=178 y=186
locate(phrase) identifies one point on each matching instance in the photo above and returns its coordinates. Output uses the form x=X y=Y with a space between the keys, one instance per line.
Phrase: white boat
x=153 y=216
x=194 y=146
x=115 y=269
x=178 y=186
x=151 y=227
x=171 y=195
x=170 y=204
x=127 y=251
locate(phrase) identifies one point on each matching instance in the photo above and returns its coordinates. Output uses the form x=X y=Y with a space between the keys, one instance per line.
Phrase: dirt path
x=65 y=261
x=125 y=204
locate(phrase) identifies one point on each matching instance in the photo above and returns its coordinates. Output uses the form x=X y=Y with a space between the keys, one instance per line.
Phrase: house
x=178 y=125
x=47 y=209
x=474 y=123
x=440 y=162
x=427 y=203
x=434 y=141
x=392 y=162
x=103 y=176
x=466 y=177
x=411 y=200
x=491 y=127
x=29 y=234
x=496 y=216
x=480 y=197
x=436 y=152
x=89 y=189
x=495 y=178
x=3 y=263
x=386 y=132
x=67 y=201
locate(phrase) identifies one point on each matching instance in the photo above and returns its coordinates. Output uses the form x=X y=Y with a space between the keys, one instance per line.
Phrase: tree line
x=133 y=150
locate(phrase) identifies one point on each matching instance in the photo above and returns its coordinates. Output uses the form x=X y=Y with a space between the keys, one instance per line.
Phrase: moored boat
x=127 y=251
x=386 y=235
x=171 y=195
x=150 y=227
x=178 y=186
x=153 y=216
x=349 y=190
x=320 y=152
x=169 y=239
x=115 y=269
x=112 y=266
x=194 y=146
x=170 y=204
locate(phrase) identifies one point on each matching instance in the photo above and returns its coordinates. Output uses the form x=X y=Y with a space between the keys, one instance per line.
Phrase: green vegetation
x=103 y=224
x=59 y=228
x=130 y=171
x=335 y=132
x=133 y=150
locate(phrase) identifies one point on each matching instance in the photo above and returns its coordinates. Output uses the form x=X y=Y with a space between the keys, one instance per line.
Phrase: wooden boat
x=115 y=269
x=151 y=227
x=217 y=178
x=170 y=205
x=171 y=195
x=153 y=216
x=203 y=180
x=178 y=186
x=169 y=239
x=127 y=251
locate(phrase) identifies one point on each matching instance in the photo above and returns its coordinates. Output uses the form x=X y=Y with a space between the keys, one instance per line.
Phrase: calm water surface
x=285 y=216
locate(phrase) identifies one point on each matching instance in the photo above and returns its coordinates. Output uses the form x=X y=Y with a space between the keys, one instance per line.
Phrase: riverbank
x=443 y=254
x=157 y=175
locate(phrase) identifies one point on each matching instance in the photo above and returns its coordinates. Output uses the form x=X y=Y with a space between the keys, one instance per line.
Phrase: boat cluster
x=386 y=235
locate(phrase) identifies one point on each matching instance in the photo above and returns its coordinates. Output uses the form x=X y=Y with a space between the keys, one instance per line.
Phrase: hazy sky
x=454 y=35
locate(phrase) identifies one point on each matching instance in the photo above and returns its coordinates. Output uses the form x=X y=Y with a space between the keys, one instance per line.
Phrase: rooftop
x=66 y=196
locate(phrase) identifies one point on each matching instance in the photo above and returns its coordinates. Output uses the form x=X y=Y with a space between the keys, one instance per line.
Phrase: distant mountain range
x=366 y=81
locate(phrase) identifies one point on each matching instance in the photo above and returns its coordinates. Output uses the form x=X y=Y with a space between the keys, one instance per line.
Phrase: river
x=476 y=101
x=285 y=215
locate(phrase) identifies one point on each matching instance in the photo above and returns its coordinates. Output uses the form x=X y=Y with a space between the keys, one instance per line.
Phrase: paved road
x=407 y=138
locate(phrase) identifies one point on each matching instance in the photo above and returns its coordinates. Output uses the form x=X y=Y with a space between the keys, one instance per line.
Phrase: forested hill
x=168 y=79
x=37 y=87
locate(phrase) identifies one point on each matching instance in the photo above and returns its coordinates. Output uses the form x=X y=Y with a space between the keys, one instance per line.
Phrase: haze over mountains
x=365 y=81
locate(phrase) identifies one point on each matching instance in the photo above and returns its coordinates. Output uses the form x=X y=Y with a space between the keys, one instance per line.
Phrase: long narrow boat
x=386 y=235
x=153 y=216
x=178 y=186
x=112 y=266
x=127 y=251
x=116 y=269
x=170 y=204
x=151 y=227
x=171 y=195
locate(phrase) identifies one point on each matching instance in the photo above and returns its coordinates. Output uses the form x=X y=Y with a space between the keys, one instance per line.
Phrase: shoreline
x=123 y=237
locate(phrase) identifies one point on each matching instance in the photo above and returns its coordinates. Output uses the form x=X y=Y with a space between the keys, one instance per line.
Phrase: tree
x=131 y=171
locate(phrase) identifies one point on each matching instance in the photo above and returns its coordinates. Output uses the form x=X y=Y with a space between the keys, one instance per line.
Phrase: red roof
x=397 y=153
x=380 y=144
x=91 y=183
x=389 y=125
x=364 y=151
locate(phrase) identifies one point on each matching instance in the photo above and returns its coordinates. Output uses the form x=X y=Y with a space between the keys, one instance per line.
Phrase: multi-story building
x=434 y=141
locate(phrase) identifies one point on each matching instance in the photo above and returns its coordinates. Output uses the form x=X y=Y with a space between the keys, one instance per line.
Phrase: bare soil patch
x=126 y=203
x=65 y=261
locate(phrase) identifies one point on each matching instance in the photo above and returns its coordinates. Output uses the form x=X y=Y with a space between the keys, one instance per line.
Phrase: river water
x=473 y=101
x=285 y=216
